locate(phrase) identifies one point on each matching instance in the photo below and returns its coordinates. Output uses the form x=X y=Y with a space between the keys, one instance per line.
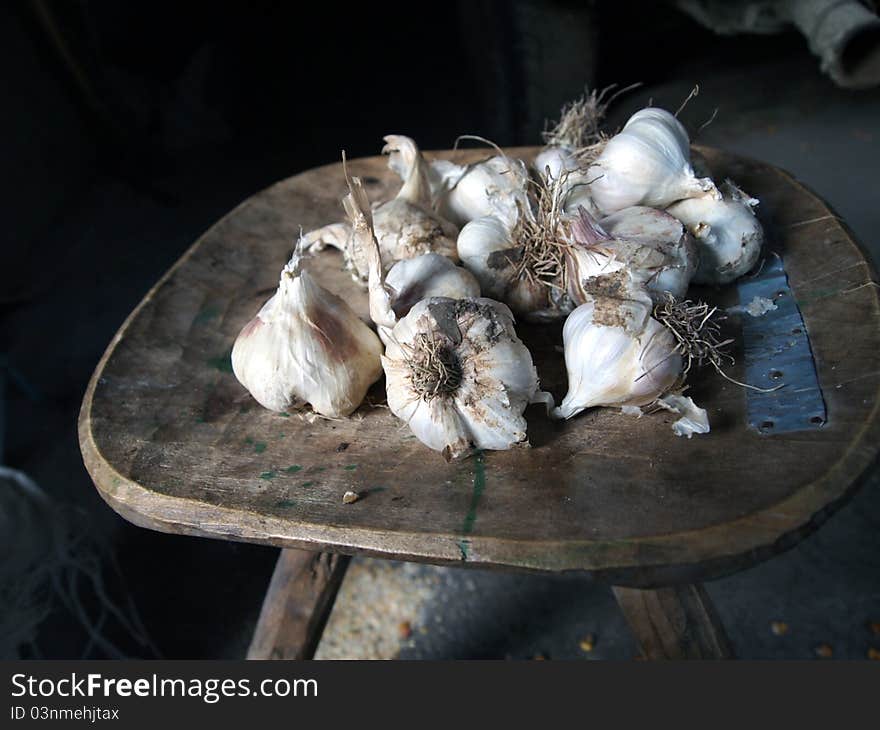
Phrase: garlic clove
x=729 y=236
x=647 y=163
x=306 y=344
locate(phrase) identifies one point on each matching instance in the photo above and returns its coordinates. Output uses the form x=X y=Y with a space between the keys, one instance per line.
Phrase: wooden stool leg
x=674 y=623
x=297 y=605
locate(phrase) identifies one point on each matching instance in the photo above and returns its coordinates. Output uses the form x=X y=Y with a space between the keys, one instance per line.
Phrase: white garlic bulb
x=405 y=226
x=429 y=275
x=729 y=235
x=458 y=375
x=497 y=186
x=525 y=265
x=486 y=248
x=306 y=344
x=616 y=353
x=553 y=162
x=647 y=163
x=652 y=246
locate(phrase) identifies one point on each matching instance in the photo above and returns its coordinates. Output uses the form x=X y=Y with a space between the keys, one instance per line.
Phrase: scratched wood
x=174 y=443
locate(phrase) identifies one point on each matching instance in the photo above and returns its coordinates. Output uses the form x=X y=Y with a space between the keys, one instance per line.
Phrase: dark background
x=128 y=128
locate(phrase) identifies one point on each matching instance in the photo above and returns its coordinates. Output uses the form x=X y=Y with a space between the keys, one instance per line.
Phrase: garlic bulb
x=525 y=265
x=487 y=248
x=652 y=246
x=559 y=167
x=405 y=226
x=459 y=376
x=497 y=186
x=306 y=344
x=647 y=163
x=553 y=162
x=616 y=353
x=729 y=235
x=429 y=275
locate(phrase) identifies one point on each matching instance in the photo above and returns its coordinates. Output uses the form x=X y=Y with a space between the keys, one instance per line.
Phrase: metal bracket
x=777 y=352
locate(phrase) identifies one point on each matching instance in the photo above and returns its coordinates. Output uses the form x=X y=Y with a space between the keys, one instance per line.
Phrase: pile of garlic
x=603 y=232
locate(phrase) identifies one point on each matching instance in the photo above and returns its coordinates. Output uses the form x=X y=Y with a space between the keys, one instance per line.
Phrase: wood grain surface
x=174 y=443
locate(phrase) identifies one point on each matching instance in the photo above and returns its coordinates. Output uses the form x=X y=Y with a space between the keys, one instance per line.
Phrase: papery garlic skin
x=429 y=275
x=693 y=418
x=616 y=354
x=494 y=187
x=307 y=344
x=405 y=226
x=477 y=400
x=647 y=163
x=729 y=236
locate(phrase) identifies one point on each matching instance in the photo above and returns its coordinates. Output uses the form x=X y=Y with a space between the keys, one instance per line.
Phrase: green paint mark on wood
x=260 y=447
x=285 y=503
x=285 y=414
x=350 y=467
x=479 y=487
x=268 y=475
x=293 y=469
x=307 y=484
x=248 y=440
x=463 y=547
x=206 y=315
x=223 y=363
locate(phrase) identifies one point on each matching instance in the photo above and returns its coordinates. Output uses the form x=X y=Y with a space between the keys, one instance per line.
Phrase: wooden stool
x=174 y=443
